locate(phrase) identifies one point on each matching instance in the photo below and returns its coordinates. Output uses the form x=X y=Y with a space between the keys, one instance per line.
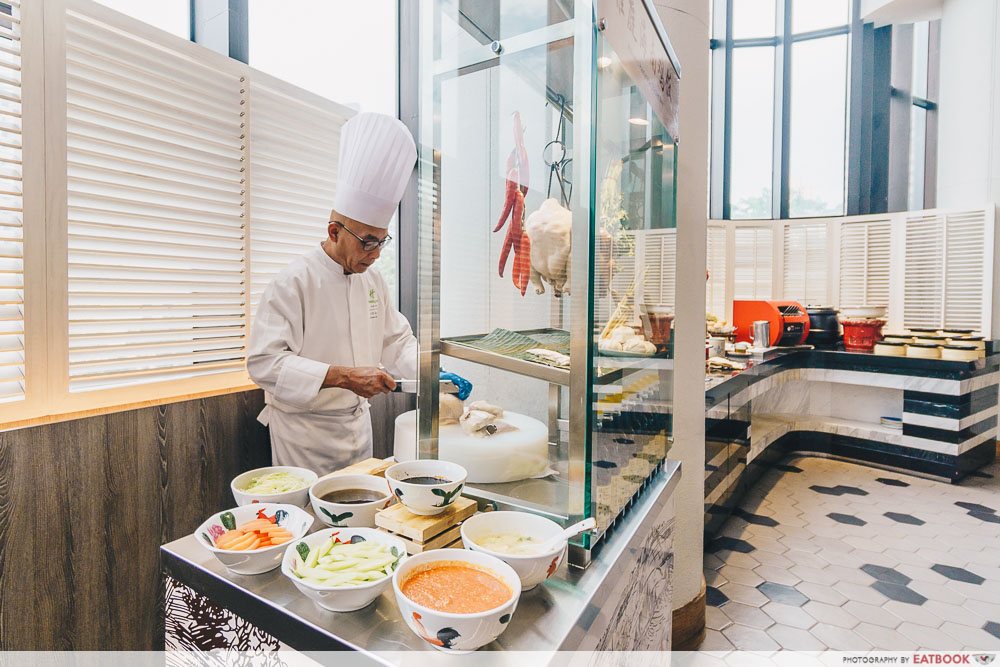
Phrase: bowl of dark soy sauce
x=426 y=487
x=349 y=500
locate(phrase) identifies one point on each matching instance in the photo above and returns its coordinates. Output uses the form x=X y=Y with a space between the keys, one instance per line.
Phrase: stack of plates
x=892 y=422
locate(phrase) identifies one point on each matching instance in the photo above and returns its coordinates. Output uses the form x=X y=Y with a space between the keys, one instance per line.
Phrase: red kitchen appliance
x=789 y=321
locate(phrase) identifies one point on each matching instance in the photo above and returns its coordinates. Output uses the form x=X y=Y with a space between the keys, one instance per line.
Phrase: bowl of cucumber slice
x=343 y=569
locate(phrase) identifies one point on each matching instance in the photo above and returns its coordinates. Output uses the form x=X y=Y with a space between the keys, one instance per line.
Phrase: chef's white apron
x=319 y=441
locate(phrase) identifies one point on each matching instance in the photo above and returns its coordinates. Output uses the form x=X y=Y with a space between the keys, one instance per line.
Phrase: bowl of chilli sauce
x=349 y=500
x=426 y=487
x=456 y=600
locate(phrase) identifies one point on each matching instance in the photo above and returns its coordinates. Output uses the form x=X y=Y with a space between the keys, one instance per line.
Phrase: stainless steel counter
x=563 y=613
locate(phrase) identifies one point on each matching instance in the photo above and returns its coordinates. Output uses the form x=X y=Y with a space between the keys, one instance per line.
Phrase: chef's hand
x=365 y=381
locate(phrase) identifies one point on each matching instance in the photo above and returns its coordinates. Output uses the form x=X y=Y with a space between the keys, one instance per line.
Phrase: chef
x=326 y=336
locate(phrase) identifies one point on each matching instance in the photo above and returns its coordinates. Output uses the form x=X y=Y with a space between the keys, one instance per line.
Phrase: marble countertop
x=776 y=360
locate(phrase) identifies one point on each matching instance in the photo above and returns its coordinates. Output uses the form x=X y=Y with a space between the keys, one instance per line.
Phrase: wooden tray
x=448 y=538
x=399 y=520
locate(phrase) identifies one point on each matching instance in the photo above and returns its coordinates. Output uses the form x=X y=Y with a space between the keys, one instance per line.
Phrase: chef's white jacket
x=313 y=316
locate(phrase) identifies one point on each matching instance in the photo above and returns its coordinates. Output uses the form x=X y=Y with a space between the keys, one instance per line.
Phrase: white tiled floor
x=789 y=576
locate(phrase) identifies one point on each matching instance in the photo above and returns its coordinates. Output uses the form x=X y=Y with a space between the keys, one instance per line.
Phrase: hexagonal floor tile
x=899 y=593
x=714 y=597
x=847 y=518
x=790 y=615
x=884 y=639
x=716 y=619
x=745 y=594
x=749 y=639
x=887 y=574
x=783 y=594
x=815 y=575
x=977 y=637
x=875 y=615
x=891 y=482
x=778 y=575
x=899 y=517
x=860 y=592
x=830 y=614
x=840 y=639
x=975 y=507
x=715 y=641
x=958 y=574
x=744 y=614
x=795 y=639
x=740 y=575
x=929 y=638
x=913 y=613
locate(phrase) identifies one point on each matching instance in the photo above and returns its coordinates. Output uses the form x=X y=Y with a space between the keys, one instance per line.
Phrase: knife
x=410 y=387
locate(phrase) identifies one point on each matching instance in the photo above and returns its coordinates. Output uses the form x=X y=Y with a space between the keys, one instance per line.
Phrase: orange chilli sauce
x=457 y=589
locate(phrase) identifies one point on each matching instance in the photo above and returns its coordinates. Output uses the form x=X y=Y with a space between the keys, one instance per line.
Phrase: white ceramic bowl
x=456 y=633
x=426 y=499
x=349 y=514
x=298 y=497
x=851 y=312
x=533 y=569
x=295 y=519
x=341 y=598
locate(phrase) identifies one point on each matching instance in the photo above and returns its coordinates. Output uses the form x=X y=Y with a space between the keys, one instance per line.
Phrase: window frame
x=47 y=396
x=721 y=110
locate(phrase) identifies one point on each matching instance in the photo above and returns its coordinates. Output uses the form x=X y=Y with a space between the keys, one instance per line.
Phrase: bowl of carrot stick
x=251 y=539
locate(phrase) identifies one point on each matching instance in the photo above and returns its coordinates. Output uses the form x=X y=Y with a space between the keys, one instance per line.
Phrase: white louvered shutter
x=155 y=162
x=923 y=293
x=752 y=263
x=294 y=149
x=623 y=275
x=715 y=289
x=12 y=380
x=660 y=266
x=965 y=276
x=945 y=274
x=865 y=253
x=804 y=269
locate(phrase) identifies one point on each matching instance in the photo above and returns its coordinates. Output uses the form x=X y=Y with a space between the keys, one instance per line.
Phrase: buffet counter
x=617 y=603
x=920 y=416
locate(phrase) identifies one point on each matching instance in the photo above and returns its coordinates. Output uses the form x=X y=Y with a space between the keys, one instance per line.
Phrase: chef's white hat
x=377 y=154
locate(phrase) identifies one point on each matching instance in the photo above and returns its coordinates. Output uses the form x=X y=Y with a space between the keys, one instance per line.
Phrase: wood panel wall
x=86 y=504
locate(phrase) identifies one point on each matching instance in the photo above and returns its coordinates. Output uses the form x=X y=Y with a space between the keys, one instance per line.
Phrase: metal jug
x=760 y=335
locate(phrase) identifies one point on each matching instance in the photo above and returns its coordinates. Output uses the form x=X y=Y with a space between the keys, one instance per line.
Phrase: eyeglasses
x=368 y=245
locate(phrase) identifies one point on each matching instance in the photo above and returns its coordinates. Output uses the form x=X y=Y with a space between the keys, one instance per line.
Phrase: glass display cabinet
x=546 y=250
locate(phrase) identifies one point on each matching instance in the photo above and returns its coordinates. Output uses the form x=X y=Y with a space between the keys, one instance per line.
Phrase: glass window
x=174 y=16
x=809 y=15
x=345 y=52
x=918 y=142
x=921 y=35
x=818 y=116
x=753 y=18
x=752 y=132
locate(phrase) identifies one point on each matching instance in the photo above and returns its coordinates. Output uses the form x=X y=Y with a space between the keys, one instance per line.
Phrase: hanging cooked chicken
x=549 y=229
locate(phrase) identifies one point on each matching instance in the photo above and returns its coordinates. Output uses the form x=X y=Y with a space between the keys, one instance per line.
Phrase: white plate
x=616 y=353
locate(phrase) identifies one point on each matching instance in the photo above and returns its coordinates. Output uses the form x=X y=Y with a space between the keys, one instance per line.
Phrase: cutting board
x=367 y=467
